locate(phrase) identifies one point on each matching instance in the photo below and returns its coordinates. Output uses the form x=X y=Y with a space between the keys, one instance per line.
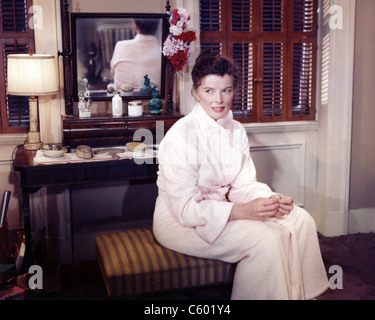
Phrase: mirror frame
x=68 y=55
x=77 y=33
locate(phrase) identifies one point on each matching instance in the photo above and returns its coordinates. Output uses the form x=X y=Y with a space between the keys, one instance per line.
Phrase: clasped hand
x=262 y=209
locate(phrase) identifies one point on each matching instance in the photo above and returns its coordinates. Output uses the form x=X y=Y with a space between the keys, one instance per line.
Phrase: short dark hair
x=147 y=26
x=211 y=63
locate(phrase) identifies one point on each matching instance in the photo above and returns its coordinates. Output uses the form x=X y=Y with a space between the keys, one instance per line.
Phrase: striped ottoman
x=132 y=262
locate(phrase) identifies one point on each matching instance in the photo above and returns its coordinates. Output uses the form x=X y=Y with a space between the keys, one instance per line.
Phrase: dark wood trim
x=67 y=56
x=104 y=130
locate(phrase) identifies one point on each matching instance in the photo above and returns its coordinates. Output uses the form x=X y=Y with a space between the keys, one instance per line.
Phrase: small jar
x=135 y=108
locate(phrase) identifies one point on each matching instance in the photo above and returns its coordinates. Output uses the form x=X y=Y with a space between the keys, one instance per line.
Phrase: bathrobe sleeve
x=245 y=186
x=178 y=180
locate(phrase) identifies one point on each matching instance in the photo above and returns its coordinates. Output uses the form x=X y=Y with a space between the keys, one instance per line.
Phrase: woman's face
x=215 y=94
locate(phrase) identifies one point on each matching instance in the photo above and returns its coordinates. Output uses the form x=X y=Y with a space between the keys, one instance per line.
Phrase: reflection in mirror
x=117 y=53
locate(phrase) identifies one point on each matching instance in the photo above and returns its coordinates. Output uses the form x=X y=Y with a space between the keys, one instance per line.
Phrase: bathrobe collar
x=207 y=122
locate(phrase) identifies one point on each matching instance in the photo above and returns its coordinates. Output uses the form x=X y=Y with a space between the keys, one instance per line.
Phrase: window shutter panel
x=302 y=76
x=213 y=47
x=212 y=36
x=303 y=15
x=14 y=16
x=17 y=106
x=272 y=80
x=15 y=37
x=210 y=15
x=303 y=60
x=242 y=15
x=273 y=43
x=243 y=59
x=272 y=15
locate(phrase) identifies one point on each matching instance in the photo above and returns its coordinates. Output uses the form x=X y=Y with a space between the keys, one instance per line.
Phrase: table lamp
x=32 y=75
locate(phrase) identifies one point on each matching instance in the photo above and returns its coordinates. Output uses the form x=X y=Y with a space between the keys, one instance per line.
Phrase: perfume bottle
x=117 y=105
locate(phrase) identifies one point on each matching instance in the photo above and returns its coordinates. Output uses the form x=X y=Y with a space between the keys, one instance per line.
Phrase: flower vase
x=155 y=103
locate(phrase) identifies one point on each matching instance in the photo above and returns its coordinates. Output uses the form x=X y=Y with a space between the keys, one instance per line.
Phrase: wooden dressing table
x=33 y=177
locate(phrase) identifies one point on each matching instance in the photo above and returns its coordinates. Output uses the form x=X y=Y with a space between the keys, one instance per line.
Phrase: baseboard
x=361 y=220
x=335 y=224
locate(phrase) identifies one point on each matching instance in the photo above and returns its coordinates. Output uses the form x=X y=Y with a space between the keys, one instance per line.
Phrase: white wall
x=362 y=177
x=335 y=118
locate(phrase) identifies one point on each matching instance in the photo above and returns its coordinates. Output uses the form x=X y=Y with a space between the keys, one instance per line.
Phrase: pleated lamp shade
x=32 y=75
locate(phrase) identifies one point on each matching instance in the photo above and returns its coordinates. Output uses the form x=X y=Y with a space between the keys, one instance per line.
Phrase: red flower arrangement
x=177 y=45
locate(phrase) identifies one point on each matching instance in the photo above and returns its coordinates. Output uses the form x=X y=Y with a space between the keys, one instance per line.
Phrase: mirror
x=117 y=51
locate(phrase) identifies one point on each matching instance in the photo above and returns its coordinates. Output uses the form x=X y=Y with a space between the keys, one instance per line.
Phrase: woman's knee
x=265 y=237
x=304 y=219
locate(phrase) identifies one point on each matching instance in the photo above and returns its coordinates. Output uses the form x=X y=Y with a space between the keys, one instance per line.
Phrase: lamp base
x=32 y=141
x=32 y=146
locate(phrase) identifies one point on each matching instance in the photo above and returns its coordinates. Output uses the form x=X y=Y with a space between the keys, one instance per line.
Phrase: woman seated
x=210 y=204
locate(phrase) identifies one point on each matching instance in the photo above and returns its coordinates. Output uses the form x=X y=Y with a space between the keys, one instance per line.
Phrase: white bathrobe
x=133 y=59
x=204 y=168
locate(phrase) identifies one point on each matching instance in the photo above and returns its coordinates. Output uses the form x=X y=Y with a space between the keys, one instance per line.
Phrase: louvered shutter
x=273 y=75
x=302 y=79
x=17 y=106
x=272 y=15
x=242 y=52
x=273 y=43
x=16 y=37
x=211 y=25
x=303 y=15
x=303 y=60
x=242 y=15
x=227 y=39
x=243 y=104
x=14 y=16
x=210 y=13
